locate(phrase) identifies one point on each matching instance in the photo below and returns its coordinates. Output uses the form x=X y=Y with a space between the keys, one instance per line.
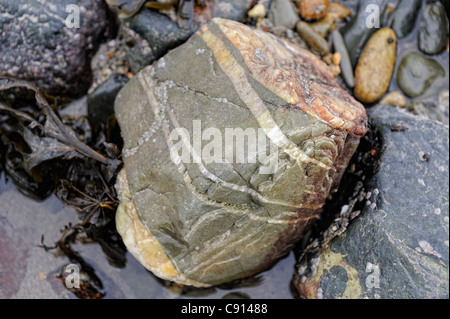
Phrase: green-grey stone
x=416 y=73
x=214 y=224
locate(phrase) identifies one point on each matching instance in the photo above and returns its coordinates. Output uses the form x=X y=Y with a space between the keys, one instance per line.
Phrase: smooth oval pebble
x=313 y=39
x=346 y=64
x=375 y=66
x=258 y=11
x=395 y=98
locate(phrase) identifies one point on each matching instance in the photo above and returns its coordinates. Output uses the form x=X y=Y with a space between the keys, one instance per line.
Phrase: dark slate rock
x=161 y=33
x=404 y=17
x=398 y=245
x=148 y=35
x=433 y=29
x=36 y=45
x=101 y=101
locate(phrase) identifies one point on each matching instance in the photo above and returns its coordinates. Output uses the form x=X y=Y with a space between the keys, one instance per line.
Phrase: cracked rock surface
x=193 y=215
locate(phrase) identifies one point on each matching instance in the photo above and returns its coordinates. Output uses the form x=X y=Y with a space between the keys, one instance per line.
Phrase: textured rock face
x=36 y=45
x=398 y=245
x=205 y=218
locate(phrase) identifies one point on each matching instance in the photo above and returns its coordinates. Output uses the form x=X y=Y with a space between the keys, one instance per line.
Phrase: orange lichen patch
x=312 y=9
x=297 y=76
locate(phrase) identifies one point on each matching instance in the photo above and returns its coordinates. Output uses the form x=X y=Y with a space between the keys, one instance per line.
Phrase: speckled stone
x=36 y=45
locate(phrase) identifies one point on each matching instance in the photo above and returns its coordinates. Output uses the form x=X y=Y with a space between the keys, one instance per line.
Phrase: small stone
x=101 y=101
x=258 y=11
x=283 y=13
x=336 y=13
x=336 y=57
x=314 y=41
x=419 y=108
x=433 y=29
x=416 y=73
x=395 y=98
x=345 y=65
x=125 y=9
x=372 y=78
x=312 y=9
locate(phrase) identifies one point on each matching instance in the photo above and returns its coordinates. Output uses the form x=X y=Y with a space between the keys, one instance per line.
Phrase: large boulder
x=200 y=209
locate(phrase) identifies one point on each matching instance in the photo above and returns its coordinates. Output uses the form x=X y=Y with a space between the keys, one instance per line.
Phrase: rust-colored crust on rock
x=296 y=75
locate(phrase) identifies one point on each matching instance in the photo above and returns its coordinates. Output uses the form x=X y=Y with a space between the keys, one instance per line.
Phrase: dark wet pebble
x=138 y=50
x=346 y=65
x=405 y=16
x=236 y=295
x=356 y=33
x=101 y=101
x=313 y=39
x=36 y=44
x=148 y=34
x=416 y=73
x=433 y=29
x=161 y=33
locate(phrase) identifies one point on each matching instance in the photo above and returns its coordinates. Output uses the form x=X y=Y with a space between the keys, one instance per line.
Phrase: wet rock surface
x=36 y=44
x=397 y=247
x=101 y=101
x=149 y=34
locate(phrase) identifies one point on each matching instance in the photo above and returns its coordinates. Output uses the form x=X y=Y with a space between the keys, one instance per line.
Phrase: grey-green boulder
x=232 y=143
